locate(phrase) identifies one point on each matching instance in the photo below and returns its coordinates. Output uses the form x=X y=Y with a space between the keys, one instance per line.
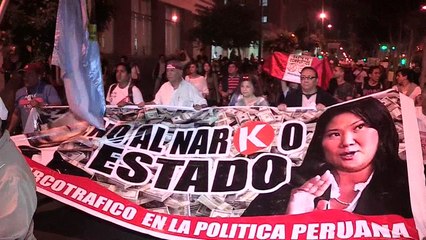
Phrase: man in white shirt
x=177 y=92
x=124 y=92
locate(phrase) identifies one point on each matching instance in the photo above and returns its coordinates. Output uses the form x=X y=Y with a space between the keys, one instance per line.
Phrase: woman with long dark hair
x=213 y=99
x=351 y=164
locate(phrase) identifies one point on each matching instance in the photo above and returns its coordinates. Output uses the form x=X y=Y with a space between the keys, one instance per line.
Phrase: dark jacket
x=387 y=193
x=294 y=98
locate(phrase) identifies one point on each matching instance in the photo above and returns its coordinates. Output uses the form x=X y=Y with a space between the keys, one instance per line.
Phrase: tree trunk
x=411 y=46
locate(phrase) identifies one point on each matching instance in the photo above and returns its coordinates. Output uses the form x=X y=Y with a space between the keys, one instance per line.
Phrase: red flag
x=324 y=71
x=276 y=66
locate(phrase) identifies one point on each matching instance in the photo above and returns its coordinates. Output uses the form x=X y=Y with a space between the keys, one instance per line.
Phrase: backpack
x=129 y=94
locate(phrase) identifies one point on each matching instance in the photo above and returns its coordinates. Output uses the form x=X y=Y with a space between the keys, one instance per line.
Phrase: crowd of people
x=186 y=82
x=220 y=83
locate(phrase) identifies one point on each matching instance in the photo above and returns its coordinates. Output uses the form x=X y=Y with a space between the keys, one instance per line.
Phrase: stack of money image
x=178 y=204
x=156 y=194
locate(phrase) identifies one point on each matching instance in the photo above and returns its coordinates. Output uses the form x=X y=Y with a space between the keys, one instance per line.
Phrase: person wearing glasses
x=309 y=94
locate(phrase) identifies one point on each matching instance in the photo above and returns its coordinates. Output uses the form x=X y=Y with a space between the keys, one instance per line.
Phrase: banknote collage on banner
x=183 y=162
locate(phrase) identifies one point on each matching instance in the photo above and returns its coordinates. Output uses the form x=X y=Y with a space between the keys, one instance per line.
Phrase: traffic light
x=364 y=59
x=384 y=47
x=403 y=61
x=320 y=56
x=393 y=48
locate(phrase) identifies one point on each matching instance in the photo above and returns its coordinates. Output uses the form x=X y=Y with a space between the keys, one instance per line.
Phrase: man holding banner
x=309 y=94
x=177 y=92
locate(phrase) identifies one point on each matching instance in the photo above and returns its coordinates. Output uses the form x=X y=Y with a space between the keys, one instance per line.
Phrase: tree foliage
x=375 y=22
x=229 y=26
x=277 y=40
x=31 y=24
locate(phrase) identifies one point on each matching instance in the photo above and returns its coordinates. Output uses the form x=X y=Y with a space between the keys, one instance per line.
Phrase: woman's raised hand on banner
x=302 y=198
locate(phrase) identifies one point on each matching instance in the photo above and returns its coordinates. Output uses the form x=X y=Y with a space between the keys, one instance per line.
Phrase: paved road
x=56 y=221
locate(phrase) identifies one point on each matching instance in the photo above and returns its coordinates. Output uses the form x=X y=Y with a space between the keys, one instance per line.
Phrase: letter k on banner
x=253 y=137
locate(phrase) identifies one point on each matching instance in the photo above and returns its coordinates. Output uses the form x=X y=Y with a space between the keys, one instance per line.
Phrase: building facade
x=146 y=28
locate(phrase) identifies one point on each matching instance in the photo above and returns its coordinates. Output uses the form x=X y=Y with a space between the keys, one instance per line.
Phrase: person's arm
x=205 y=88
x=282 y=107
x=18 y=205
x=216 y=87
x=14 y=120
x=137 y=95
x=157 y=99
x=187 y=58
x=52 y=96
x=107 y=99
x=263 y=102
x=417 y=91
x=223 y=93
x=199 y=101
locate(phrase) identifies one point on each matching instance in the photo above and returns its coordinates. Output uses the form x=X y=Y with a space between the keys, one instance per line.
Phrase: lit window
x=264 y=19
x=141 y=27
x=173 y=19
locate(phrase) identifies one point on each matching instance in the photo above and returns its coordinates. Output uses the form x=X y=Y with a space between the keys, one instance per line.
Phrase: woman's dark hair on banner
x=352 y=164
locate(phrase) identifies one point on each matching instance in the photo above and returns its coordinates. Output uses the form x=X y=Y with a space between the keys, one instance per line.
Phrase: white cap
x=3 y=110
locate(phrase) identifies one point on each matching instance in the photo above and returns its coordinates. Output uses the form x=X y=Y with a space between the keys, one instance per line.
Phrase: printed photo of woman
x=351 y=164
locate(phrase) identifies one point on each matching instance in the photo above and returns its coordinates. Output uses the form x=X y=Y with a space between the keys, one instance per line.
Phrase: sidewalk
x=56 y=221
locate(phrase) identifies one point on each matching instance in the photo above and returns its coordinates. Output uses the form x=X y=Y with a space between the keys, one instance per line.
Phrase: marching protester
x=177 y=92
x=197 y=80
x=17 y=188
x=250 y=93
x=213 y=99
x=339 y=87
x=372 y=84
x=228 y=85
x=309 y=94
x=360 y=76
x=35 y=93
x=405 y=83
x=124 y=92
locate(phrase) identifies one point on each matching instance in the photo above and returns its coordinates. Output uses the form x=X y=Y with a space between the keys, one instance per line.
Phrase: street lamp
x=322 y=16
x=329 y=26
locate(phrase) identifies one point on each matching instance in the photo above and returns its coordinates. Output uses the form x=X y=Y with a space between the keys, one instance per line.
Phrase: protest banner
x=238 y=172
